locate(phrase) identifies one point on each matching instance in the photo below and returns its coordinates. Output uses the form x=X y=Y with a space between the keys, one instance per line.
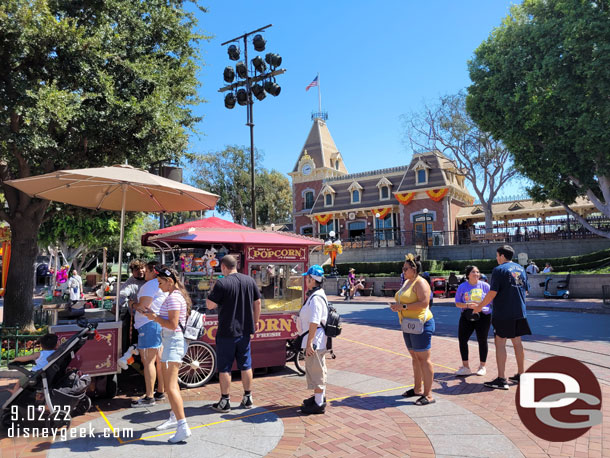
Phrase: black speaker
x=173 y=173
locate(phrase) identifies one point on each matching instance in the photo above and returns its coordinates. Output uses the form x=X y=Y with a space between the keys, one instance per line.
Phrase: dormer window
x=422 y=176
x=337 y=164
x=329 y=196
x=355 y=192
x=385 y=188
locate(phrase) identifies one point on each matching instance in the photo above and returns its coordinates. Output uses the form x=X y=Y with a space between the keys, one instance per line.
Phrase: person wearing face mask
x=468 y=294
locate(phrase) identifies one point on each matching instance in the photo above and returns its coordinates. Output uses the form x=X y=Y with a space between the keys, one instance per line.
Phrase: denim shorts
x=423 y=341
x=229 y=349
x=149 y=335
x=174 y=346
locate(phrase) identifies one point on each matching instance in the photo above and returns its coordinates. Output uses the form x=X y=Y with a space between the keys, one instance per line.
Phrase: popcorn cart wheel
x=198 y=365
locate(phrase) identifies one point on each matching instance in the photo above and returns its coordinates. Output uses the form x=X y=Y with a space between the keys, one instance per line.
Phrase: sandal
x=424 y=401
x=410 y=393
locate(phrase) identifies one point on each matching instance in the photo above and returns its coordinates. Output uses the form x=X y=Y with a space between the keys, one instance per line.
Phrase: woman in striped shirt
x=172 y=318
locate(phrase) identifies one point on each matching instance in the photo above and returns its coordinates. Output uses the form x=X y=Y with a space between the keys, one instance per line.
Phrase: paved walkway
x=366 y=414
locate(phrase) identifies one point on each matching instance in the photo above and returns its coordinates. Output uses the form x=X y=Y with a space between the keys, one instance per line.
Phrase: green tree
x=540 y=84
x=227 y=173
x=274 y=198
x=173 y=219
x=82 y=85
x=481 y=159
x=77 y=232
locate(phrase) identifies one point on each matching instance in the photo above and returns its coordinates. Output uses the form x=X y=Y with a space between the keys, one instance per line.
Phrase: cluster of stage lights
x=261 y=88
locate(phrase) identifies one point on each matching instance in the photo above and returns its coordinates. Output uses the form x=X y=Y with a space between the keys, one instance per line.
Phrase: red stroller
x=439 y=286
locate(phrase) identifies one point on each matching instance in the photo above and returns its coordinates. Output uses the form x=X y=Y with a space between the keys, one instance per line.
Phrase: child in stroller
x=49 y=396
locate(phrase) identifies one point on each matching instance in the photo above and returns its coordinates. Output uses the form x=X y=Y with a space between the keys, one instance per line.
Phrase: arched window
x=308 y=202
x=385 y=192
x=328 y=200
x=355 y=196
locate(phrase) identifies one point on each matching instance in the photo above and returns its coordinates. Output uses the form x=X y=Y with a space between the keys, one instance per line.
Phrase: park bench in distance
x=390 y=288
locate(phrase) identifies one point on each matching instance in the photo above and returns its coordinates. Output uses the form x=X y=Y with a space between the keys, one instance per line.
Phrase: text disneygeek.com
x=60 y=414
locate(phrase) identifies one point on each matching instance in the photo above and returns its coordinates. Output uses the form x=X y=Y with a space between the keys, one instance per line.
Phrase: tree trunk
x=18 y=304
x=489 y=219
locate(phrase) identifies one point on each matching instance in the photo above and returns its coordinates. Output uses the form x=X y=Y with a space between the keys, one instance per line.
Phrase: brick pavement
x=370 y=425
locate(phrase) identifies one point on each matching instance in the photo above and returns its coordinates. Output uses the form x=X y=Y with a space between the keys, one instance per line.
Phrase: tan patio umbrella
x=119 y=188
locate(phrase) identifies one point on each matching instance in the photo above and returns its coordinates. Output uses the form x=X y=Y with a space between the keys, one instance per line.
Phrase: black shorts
x=509 y=329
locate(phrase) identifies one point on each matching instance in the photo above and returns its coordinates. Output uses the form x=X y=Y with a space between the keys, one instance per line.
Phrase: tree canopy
x=227 y=173
x=84 y=85
x=482 y=160
x=540 y=83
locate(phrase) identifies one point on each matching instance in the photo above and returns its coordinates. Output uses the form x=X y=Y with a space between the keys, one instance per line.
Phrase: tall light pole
x=425 y=210
x=249 y=85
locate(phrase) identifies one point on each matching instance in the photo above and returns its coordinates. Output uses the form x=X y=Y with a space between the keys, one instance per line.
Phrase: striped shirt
x=174 y=301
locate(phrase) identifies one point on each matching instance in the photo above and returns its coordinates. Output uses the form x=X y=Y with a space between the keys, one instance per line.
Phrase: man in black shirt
x=239 y=306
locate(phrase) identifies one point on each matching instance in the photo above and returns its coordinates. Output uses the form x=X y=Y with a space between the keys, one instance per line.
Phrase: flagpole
x=319 y=95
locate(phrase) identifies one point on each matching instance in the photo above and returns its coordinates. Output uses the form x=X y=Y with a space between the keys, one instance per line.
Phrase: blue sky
x=377 y=61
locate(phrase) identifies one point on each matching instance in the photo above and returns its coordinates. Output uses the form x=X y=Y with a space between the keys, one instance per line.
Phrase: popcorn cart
x=276 y=261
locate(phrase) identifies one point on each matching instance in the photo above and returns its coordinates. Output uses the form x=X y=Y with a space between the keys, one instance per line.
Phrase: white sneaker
x=482 y=371
x=182 y=433
x=170 y=423
x=463 y=371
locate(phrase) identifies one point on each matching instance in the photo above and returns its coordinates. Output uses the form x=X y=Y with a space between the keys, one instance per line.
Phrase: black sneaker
x=143 y=402
x=311 y=400
x=223 y=405
x=246 y=402
x=515 y=378
x=498 y=383
x=313 y=409
x=159 y=396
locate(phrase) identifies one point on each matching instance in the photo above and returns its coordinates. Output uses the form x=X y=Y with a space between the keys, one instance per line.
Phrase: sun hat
x=352 y=270
x=316 y=272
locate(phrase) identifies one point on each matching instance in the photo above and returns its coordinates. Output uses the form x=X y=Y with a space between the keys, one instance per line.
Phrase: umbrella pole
x=118 y=282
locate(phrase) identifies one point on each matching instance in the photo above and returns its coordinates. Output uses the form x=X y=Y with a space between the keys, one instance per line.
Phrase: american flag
x=312 y=84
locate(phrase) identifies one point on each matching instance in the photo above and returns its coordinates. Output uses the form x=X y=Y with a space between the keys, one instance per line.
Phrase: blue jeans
x=423 y=341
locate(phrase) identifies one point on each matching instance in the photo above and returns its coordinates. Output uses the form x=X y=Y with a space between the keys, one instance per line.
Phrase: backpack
x=332 y=328
x=194 y=328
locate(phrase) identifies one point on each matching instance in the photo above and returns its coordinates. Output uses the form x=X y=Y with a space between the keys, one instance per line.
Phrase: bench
x=390 y=287
x=367 y=290
x=491 y=237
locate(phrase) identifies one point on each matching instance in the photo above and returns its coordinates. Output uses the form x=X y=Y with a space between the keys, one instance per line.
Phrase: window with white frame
x=422 y=176
x=384 y=193
x=355 y=196
x=355 y=192
x=328 y=200
x=308 y=200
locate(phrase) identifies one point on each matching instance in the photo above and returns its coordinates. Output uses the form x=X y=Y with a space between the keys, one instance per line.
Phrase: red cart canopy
x=214 y=230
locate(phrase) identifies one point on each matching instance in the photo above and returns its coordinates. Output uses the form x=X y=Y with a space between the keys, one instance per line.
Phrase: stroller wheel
x=83 y=406
x=6 y=419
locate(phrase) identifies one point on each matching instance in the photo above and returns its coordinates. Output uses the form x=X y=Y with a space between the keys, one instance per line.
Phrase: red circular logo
x=559 y=399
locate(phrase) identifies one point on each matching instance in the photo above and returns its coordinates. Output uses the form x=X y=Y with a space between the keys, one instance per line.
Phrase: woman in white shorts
x=172 y=318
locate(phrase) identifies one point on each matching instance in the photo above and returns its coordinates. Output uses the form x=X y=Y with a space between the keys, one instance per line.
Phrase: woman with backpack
x=172 y=318
x=312 y=318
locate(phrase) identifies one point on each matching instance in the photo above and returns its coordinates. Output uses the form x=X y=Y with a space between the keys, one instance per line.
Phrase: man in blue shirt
x=508 y=317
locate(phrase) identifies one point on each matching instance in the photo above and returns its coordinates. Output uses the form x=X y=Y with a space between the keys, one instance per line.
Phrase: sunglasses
x=164 y=272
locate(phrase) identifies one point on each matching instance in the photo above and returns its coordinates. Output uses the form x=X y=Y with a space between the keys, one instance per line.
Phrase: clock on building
x=306 y=170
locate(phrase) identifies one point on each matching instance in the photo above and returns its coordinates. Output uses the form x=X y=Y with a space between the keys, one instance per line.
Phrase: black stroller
x=51 y=396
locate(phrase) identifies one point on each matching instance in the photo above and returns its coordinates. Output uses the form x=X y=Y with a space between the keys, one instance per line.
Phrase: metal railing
x=14 y=344
x=511 y=233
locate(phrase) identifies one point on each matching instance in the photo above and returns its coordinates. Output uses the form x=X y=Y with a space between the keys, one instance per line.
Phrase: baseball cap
x=316 y=272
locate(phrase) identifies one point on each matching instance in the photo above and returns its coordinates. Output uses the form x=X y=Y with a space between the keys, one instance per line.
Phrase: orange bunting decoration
x=324 y=219
x=404 y=197
x=437 y=194
x=383 y=212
